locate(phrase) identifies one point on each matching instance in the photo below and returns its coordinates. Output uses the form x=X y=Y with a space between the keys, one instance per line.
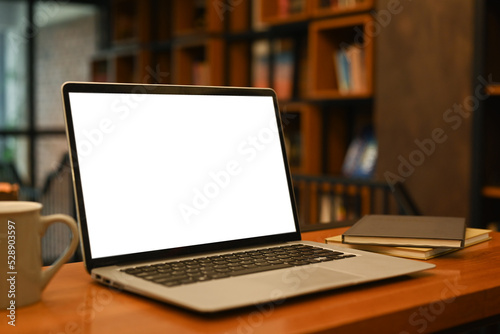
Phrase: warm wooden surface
x=464 y=287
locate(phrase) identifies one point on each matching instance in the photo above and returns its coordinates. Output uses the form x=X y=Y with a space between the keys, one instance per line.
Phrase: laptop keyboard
x=234 y=264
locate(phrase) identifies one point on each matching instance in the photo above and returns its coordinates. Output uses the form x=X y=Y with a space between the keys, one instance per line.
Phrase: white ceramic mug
x=22 y=278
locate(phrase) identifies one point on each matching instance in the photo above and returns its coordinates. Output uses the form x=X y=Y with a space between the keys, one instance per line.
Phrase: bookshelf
x=406 y=82
x=341 y=58
x=288 y=45
x=486 y=169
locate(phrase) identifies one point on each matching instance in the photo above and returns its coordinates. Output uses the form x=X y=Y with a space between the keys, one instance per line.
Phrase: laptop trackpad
x=311 y=278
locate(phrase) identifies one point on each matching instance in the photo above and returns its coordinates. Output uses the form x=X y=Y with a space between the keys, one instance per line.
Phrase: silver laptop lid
x=163 y=170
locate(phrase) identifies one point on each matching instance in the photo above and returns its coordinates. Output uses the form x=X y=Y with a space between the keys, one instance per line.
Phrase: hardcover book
x=412 y=231
x=472 y=236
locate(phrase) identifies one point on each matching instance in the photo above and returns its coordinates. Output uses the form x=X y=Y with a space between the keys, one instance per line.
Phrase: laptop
x=184 y=195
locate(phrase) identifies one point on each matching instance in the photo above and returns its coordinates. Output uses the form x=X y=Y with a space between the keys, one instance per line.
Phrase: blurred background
x=376 y=95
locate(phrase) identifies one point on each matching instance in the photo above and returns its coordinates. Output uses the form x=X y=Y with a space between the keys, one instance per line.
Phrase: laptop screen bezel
x=86 y=87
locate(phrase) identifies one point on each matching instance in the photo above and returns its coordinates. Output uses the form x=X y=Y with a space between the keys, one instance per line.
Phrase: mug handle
x=47 y=274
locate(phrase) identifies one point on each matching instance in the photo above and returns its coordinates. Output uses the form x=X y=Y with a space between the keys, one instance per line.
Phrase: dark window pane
x=13 y=65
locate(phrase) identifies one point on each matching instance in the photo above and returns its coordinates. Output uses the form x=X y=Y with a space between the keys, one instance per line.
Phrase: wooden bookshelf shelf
x=249 y=43
x=218 y=43
x=493 y=90
x=491 y=192
x=287 y=45
x=321 y=8
x=300 y=49
x=341 y=58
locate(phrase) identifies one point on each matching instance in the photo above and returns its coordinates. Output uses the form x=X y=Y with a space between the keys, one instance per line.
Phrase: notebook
x=184 y=195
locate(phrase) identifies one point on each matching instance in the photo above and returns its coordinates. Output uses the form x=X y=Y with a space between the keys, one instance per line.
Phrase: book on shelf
x=411 y=231
x=283 y=68
x=473 y=236
x=332 y=208
x=361 y=156
x=350 y=69
x=260 y=63
x=342 y=70
x=338 y=206
x=287 y=7
x=293 y=148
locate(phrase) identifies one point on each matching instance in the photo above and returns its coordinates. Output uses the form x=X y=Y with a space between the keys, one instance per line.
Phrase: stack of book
x=417 y=237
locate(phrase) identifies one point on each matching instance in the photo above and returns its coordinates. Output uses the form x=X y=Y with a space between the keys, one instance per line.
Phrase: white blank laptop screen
x=167 y=171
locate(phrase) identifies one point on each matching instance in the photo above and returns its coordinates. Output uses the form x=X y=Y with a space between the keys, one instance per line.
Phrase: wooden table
x=463 y=288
